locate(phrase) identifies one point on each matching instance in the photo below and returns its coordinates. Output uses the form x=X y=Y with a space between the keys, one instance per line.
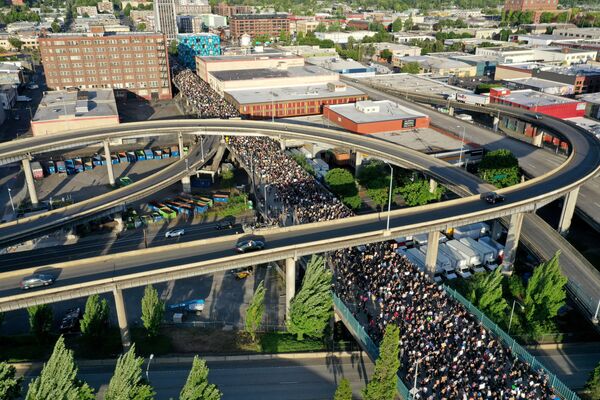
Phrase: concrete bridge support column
x=512 y=240
x=496 y=123
x=358 y=159
x=537 y=138
x=187 y=184
x=30 y=183
x=290 y=284
x=451 y=111
x=109 y=168
x=433 y=242
x=180 y=140
x=122 y=318
x=433 y=185
x=568 y=209
x=496 y=229
x=119 y=221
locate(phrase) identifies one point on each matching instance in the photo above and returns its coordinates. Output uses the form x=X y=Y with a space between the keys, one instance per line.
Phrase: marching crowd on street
x=454 y=355
x=208 y=103
x=288 y=181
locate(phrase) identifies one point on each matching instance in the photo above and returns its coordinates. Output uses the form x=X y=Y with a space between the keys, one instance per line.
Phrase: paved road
x=533 y=160
x=572 y=364
x=306 y=379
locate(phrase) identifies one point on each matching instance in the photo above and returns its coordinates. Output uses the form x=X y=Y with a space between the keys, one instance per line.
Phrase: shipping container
x=166 y=152
x=181 y=208
x=61 y=168
x=174 y=151
x=157 y=153
x=140 y=155
x=474 y=231
x=491 y=242
x=88 y=164
x=131 y=156
x=204 y=200
x=50 y=167
x=487 y=256
x=122 y=157
x=442 y=261
x=70 y=166
x=458 y=260
x=98 y=160
x=221 y=198
x=200 y=182
x=149 y=154
x=473 y=257
x=37 y=170
x=469 y=98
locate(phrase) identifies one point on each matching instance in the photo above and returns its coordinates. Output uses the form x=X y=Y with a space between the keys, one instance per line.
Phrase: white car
x=174 y=233
x=32 y=86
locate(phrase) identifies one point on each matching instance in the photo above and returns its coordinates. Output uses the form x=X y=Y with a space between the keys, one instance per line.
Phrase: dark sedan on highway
x=249 y=245
x=36 y=280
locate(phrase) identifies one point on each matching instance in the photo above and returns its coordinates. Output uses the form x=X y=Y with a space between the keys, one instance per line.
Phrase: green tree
x=197 y=386
x=254 y=313
x=55 y=27
x=95 y=320
x=397 y=25
x=10 y=387
x=343 y=391
x=127 y=10
x=383 y=382
x=386 y=55
x=341 y=182
x=127 y=382
x=416 y=193
x=173 y=50
x=141 y=27
x=500 y=168
x=58 y=379
x=411 y=68
x=15 y=43
x=321 y=27
x=301 y=160
x=408 y=24
x=40 y=321
x=545 y=294
x=153 y=310
x=593 y=383
x=227 y=178
x=310 y=309
x=485 y=292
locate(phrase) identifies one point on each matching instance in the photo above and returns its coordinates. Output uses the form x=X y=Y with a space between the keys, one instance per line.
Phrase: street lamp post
x=12 y=204
x=462 y=144
x=512 y=311
x=266 y=200
x=148 y=366
x=389 y=195
x=202 y=146
x=416 y=375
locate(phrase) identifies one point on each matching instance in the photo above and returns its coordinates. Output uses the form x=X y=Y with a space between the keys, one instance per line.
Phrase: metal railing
x=556 y=384
x=365 y=341
x=371 y=348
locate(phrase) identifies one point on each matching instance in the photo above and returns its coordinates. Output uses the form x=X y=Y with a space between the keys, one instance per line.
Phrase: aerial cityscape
x=303 y=200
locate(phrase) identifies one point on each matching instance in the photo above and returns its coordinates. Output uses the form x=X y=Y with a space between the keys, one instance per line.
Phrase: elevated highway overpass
x=125 y=270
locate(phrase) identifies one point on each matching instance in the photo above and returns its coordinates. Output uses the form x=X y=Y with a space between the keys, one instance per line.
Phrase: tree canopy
x=255 y=311
x=95 y=318
x=311 y=307
x=593 y=383
x=127 y=382
x=197 y=386
x=500 y=168
x=385 y=376
x=343 y=391
x=40 y=321
x=10 y=387
x=153 y=310
x=485 y=292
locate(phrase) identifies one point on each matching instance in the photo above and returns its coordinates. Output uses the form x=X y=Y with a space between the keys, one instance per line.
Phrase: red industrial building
x=367 y=117
x=538 y=102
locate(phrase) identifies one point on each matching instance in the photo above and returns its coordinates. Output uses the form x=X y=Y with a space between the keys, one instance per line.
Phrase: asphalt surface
x=306 y=379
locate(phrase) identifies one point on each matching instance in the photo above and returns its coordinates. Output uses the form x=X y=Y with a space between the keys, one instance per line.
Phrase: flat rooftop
x=56 y=105
x=388 y=111
x=413 y=83
x=290 y=93
x=268 y=73
x=335 y=63
x=271 y=55
x=424 y=140
x=537 y=82
x=531 y=98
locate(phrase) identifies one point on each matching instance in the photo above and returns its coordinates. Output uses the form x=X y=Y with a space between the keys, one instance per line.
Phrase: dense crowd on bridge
x=207 y=102
x=457 y=357
x=289 y=183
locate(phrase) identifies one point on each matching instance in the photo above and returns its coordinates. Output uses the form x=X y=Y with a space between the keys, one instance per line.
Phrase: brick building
x=259 y=24
x=367 y=117
x=227 y=10
x=537 y=6
x=130 y=63
x=536 y=102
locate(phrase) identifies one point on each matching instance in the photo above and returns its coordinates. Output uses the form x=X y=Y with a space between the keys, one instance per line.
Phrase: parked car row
x=75 y=165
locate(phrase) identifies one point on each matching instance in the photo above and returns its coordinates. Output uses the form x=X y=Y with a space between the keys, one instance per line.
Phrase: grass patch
x=235 y=206
x=282 y=342
x=24 y=348
x=144 y=345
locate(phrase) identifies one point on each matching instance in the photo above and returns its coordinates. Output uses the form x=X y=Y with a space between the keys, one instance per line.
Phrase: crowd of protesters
x=289 y=183
x=454 y=355
x=206 y=102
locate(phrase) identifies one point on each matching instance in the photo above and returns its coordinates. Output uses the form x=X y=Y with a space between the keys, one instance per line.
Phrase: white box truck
x=491 y=242
x=474 y=231
x=459 y=260
x=473 y=257
x=488 y=257
x=443 y=264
